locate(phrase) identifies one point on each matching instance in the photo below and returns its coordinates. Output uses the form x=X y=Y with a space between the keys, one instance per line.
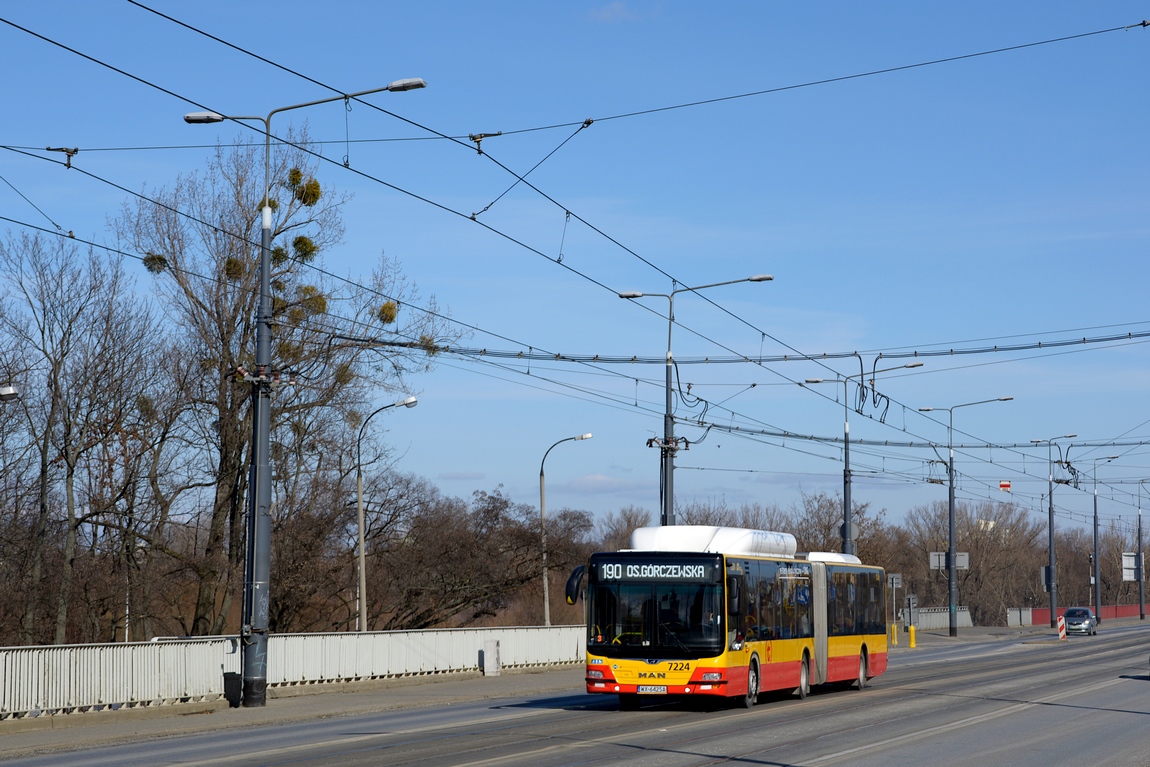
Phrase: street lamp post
x=848 y=534
x=543 y=525
x=1094 y=574
x=669 y=446
x=1140 y=576
x=1051 y=577
x=257 y=569
x=951 y=550
x=361 y=593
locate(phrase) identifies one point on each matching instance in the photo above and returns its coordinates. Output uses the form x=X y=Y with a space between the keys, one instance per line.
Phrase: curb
x=109 y=716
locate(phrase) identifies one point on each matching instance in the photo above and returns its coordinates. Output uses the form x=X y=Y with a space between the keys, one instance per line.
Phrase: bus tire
x=628 y=701
x=752 y=696
x=862 y=670
x=804 y=688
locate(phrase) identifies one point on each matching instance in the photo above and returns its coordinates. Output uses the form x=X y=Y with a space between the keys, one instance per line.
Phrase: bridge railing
x=76 y=678
x=71 y=678
x=311 y=658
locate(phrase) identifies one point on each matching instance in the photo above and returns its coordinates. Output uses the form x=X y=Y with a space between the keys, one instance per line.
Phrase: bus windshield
x=665 y=610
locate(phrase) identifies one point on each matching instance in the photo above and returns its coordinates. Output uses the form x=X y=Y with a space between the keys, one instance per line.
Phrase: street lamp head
x=917 y=364
x=407 y=402
x=761 y=278
x=1064 y=436
x=1005 y=399
x=407 y=84
x=631 y=294
x=8 y=393
x=815 y=380
x=200 y=118
x=584 y=436
x=925 y=409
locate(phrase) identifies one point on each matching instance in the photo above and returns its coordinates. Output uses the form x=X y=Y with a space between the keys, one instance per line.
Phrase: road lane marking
x=919 y=734
x=345 y=741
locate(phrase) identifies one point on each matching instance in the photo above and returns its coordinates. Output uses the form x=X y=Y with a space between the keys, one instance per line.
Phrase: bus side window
x=835 y=595
x=751 y=602
x=803 y=606
x=786 y=607
x=877 y=612
x=768 y=614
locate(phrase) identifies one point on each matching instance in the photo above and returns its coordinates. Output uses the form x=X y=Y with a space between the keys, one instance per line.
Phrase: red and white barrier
x=1062 y=627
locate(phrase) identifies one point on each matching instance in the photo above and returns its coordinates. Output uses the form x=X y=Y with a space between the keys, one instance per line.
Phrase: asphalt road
x=984 y=699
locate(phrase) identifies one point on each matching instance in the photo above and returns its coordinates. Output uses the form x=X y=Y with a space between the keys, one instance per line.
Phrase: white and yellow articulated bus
x=699 y=610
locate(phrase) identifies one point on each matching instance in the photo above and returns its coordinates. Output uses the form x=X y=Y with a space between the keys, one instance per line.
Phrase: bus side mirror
x=734 y=595
x=575 y=584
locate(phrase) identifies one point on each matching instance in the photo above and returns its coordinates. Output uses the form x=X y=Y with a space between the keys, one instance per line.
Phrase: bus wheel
x=752 y=695
x=628 y=701
x=862 y=670
x=804 y=678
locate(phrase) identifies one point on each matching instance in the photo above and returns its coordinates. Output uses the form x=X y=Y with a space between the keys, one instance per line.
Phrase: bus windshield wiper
x=671 y=633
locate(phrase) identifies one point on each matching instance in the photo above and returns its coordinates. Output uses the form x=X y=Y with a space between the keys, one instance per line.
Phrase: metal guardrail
x=76 y=678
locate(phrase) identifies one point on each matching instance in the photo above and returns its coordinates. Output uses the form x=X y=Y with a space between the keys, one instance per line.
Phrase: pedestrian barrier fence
x=74 y=678
x=1018 y=616
x=932 y=618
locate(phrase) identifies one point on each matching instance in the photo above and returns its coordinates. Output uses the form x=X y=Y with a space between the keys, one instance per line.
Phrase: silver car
x=1080 y=620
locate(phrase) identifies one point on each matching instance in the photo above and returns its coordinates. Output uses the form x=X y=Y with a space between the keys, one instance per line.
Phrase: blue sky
x=989 y=201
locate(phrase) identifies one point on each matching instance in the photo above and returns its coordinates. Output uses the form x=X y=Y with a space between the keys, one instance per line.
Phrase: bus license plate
x=651 y=689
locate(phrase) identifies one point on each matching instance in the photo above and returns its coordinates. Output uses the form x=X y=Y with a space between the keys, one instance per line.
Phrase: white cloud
x=602 y=484
x=613 y=12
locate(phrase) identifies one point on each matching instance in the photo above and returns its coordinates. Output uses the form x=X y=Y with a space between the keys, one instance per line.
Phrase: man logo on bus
x=652 y=675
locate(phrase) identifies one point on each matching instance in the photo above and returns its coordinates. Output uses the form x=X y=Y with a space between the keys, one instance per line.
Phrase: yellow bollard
x=894 y=634
x=911 y=643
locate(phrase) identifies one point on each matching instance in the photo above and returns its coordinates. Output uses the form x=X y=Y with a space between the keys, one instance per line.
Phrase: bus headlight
x=712 y=676
x=594 y=674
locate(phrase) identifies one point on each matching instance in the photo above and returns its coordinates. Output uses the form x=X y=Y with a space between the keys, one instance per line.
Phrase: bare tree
x=818 y=521
x=614 y=530
x=754 y=516
x=1117 y=537
x=450 y=560
x=98 y=408
x=202 y=243
x=1005 y=550
x=19 y=488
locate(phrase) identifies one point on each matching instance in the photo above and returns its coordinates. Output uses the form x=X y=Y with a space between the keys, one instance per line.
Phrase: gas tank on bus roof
x=714 y=539
x=833 y=557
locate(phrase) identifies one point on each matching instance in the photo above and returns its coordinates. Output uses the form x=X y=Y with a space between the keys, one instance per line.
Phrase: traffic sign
x=938 y=560
x=1131 y=570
